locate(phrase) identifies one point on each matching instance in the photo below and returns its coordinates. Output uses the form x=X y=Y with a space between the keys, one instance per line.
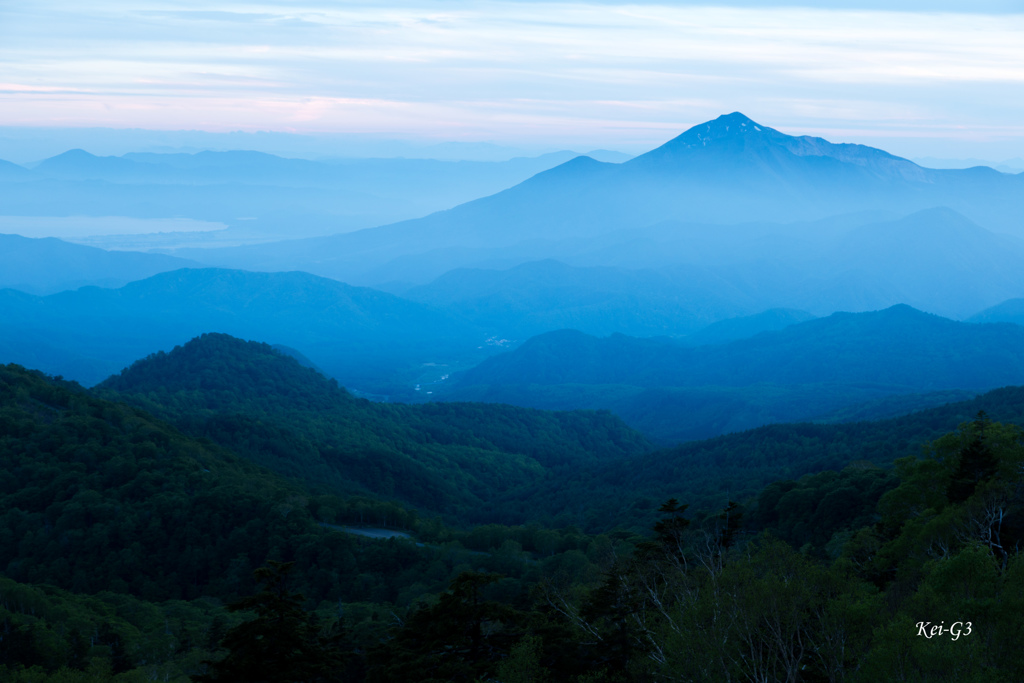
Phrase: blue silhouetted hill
x=77 y=164
x=816 y=368
x=349 y=331
x=733 y=329
x=13 y=172
x=899 y=346
x=49 y=265
x=1009 y=311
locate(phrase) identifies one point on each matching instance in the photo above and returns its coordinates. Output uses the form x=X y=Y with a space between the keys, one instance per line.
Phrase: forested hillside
x=102 y=496
x=451 y=458
x=490 y=462
x=710 y=472
x=123 y=536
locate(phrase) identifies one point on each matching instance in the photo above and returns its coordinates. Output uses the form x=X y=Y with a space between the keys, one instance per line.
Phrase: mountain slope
x=709 y=473
x=13 y=172
x=725 y=171
x=732 y=329
x=450 y=458
x=258 y=196
x=99 y=496
x=45 y=266
x=1009 y=311
x=897 y=346
x=935 y=259
x=547 y=295
x=352 y=332
x=820 y=367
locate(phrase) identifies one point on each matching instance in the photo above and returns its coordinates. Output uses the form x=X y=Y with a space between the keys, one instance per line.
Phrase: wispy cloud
x=599 y=71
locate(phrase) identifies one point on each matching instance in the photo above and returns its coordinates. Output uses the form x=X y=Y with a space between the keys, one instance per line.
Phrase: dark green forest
x=448 y=458
x=196 y=518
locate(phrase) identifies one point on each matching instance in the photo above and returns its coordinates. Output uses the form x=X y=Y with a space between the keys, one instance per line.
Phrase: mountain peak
x=731 y=134
x=220 y=365
x=73 y=154
x=736 y=123
x=732 y=125
x=736 y=136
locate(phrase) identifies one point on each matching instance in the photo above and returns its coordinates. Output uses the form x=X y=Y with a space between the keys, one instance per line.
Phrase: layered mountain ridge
x=49 y=265
x=728 y=171
x=353 y=332
x=820 y=367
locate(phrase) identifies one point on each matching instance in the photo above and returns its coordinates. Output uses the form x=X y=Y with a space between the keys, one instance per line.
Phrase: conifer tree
x=283 y=644
x=976 y=462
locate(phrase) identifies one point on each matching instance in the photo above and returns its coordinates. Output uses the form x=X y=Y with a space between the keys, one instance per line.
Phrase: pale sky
x=942 y=82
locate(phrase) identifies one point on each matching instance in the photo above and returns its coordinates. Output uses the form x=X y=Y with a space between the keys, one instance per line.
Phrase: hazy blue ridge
x=897 y=346
x=49 y=265
x=732 y=329
x=549 y=295
x=726 y=171
x=257 y=194
x=13 y=172
x=674 y=278
x=353 y=333
x=672 y=392
x=1009 y=311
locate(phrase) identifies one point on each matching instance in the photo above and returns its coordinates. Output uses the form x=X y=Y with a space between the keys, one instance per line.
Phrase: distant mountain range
x=673 y=279
x=386 y=345
x=674 y=392
x=1009 y=311
x=359 y=335
x=258 y=195
x=727 y=171
x=729 y=219
x=742 y=327
x=668 y=279
x=46 y=266
x=1006 y=166
x=899 y=346
x=541 y=296
x=707 y=260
